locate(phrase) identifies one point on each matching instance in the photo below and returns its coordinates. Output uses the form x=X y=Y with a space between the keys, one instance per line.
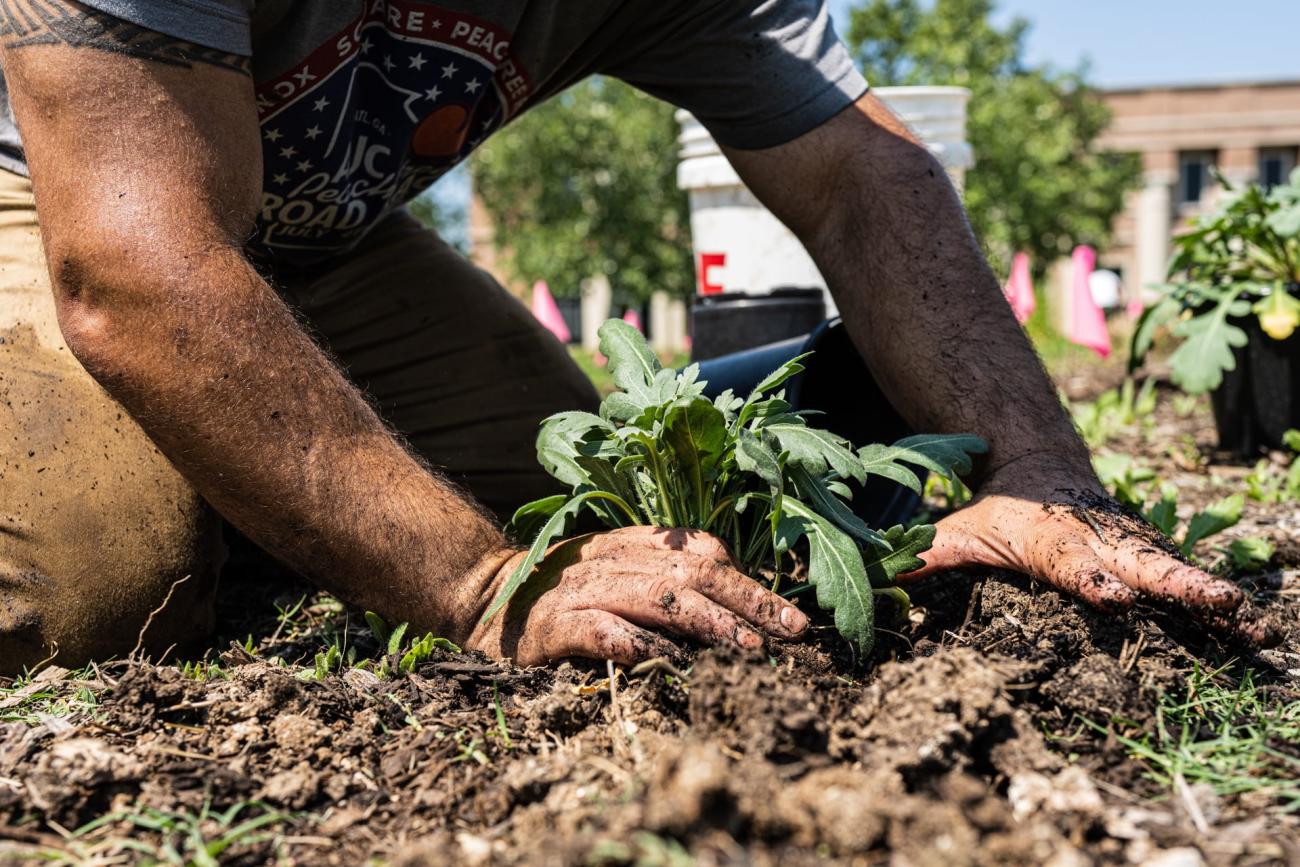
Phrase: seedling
x=1114 y=412
x=1250 y=554
x=413 y=654
x=749 y=470
x=1131 y=485
x=1268 y=484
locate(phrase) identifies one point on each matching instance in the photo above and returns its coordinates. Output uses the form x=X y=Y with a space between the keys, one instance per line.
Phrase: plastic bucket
x=861 y=414
x=1259 y=400
x=740 y=246
x=735 y=321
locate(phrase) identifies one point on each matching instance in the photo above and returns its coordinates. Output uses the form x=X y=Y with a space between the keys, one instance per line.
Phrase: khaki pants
x=96 y=525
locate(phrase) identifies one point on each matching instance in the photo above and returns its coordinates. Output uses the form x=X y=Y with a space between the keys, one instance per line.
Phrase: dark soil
x=964 y=743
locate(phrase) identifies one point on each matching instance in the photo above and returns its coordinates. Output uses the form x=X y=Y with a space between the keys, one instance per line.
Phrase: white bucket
x=740 y=246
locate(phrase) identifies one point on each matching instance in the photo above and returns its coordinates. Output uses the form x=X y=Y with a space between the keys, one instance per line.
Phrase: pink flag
x=548 y=312
x=1087 y=322
x=631 y=317
x=1020 y=289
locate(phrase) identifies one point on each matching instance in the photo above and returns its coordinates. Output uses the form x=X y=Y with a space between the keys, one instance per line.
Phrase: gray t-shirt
x=365 y=103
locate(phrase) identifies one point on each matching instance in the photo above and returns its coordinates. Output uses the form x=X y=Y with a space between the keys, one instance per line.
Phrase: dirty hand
x=599 y=595
x=1070 y=534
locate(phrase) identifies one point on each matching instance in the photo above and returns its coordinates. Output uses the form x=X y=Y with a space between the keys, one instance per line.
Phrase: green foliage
x=1039 y=184
x=1267 y=483
x=1237 y=737
x=408 y=656
x=1250 y=554
x=1242 y=259
x=749 y=470
x=1115 y=411
x=585 y=184
x=1131 y=484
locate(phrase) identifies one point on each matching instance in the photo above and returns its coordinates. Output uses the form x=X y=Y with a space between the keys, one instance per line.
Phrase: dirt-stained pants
x=96 y=526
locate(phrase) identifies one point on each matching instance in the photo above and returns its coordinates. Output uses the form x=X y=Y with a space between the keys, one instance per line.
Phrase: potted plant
x=1231 y=301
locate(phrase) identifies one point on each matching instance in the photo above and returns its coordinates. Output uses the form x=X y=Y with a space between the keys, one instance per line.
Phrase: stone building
x=1249 y=131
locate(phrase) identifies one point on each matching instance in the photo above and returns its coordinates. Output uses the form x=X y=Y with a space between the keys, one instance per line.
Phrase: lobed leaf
x=631 y=362
x=1197 y=365
x=816 y=492
x=905 y=543
x=755 y=456
x=1216 y=518
x=836 y=570
x=945 y=454
x=816 y=450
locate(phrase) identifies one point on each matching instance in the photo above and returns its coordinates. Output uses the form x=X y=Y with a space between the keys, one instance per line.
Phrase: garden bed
x=1001 y=723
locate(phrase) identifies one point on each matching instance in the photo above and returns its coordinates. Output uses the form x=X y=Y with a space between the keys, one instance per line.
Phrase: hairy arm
x=144 y=154
x=887 y=230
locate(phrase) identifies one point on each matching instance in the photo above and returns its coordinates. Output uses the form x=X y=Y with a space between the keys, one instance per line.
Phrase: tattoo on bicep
x=58 y=22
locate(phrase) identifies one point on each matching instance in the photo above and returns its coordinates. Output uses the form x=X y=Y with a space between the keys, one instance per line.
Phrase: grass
x=146 y=835
x=32 y=699
x=1231 y=735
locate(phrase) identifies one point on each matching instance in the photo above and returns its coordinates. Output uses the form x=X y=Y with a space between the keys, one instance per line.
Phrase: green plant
x=1249 y=554
x=749 y=470
x=1114 y=411
x=412 y=654
x=1239 y=260
x=1266 y=483
x=1131 y=484
x=1231 y=736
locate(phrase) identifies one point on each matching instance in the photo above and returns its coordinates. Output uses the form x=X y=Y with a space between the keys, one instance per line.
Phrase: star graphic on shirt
x=388 y=63
x=449 y=70
x=436 y=24
x=418 y=61
x=288 y=152
x=320 y=104
x=281 y=178
x=366 y=45
x=432 y=93
x=272 y=135
x=312 y=133
x=472 y=86
x=305 y=166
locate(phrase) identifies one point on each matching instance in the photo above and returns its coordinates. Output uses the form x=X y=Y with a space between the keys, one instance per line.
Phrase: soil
x=981 y=733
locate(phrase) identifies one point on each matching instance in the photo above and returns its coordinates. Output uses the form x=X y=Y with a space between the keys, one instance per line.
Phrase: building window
x=1193 y=175
x=1275 y=165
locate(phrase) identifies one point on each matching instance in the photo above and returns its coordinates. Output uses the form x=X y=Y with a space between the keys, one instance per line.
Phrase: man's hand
x=597 y=596
x=1086 y=544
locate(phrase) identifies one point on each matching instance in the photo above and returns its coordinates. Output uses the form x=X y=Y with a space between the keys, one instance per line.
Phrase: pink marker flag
x=1020 y=289
x=1087 y=322
x=631 y=317
x=548 y=312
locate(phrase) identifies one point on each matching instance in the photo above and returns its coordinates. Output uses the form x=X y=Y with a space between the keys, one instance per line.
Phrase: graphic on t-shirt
x=374 y=116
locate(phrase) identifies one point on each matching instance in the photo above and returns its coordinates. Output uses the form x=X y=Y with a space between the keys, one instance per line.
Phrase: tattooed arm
x=145 y=157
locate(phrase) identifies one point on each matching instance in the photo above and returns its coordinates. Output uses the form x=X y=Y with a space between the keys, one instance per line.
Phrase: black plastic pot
x=732 y=322
x=1259 y=400
x=837 y=383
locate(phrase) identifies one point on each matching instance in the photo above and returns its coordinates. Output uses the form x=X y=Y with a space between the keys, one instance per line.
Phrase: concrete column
x=1152 y=234
x=667 y=323
x=596 y=298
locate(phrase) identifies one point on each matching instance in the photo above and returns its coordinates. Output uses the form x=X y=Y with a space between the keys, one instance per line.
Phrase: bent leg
x=96 y=526
x=455 y=363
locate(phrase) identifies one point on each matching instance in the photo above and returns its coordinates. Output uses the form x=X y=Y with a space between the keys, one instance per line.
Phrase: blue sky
x=1160 y=41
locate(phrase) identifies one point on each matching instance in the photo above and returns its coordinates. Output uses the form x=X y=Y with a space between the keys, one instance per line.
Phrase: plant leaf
x=835 y=568
x=696 y=435
x=905 y=543
x=780 y=375
x=395 y=640
x=378 y=627
x=1164 y=514
x=945 y=454
x=815 y=491
x=1216 y=518
x=755 y=456
x=1148 y=323
x=631 y=362
x=816 y=450
x=1250 y=553
x=556 y=525
x=530 y=517
x=1197 y=365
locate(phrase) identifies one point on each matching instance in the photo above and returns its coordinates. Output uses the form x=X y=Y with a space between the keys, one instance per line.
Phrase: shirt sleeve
x=219 y=24
x=756 y=74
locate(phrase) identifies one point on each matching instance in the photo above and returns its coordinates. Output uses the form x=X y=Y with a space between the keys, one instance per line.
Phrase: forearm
x=887 y=231
x=213 y=366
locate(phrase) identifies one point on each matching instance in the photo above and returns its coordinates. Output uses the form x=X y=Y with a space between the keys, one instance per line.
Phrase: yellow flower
x=1279 y=314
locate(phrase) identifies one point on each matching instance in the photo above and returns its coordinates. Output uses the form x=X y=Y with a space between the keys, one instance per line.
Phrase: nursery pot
x=838 y=384
x=1259 y=400
x=730 y=322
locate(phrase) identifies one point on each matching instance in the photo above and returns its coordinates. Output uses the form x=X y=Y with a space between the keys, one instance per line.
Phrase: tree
x=1039 y=185
x=585 y=184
